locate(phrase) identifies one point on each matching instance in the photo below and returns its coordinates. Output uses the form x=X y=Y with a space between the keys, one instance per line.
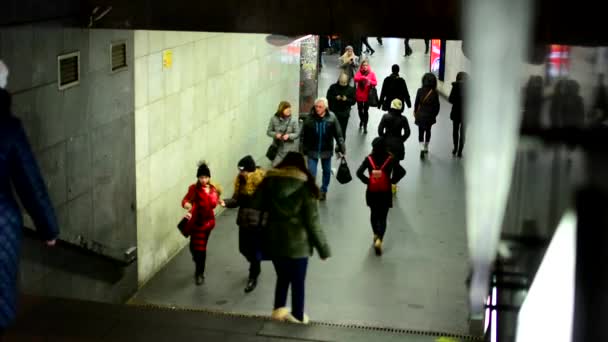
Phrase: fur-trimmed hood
x=252 y=181
x=290 y=179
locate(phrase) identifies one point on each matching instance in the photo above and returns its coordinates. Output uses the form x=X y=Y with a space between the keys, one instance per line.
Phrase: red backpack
x=379 y=180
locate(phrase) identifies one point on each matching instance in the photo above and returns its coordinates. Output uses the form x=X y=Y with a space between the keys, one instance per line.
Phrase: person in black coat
x=341 y=97
x=18 y=166
x=426 y=111
x=394 y=87
x=395 y=129
x=457 y=100
x=533 y=102
x=379 y=203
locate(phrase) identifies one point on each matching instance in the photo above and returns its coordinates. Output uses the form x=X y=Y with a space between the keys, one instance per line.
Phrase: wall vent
x=68 y=69
x=118 y=56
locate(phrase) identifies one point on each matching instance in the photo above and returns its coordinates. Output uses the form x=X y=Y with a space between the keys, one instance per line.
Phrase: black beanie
x=247 y=164
x=203 y=170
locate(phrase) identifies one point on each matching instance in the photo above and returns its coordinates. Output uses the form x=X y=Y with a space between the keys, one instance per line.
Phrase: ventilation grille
x=68 y=70
x=119 y=56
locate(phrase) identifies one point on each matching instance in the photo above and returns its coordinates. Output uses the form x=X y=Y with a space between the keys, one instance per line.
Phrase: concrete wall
x=214 y=103
x=83 y=138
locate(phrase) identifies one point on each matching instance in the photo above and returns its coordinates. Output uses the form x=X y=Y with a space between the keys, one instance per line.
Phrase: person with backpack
x=379 y=198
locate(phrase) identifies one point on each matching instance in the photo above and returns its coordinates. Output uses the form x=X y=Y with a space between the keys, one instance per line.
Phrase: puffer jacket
x=201 y=224
x=395 y=129
x=363 y=84
x=293 y=229
x=318 y=135
x=289 y=126
x=18 y=166
x=244 y=191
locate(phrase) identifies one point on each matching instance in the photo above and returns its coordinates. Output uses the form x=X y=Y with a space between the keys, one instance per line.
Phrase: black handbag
x=343 y=175
x=273 y=149
x=372 y=99
x=182 y=227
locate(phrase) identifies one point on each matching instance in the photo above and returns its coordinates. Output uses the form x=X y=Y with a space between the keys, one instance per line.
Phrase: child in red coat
x=200 y=201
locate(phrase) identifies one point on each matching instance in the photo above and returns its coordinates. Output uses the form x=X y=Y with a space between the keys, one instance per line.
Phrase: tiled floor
x=419 y=283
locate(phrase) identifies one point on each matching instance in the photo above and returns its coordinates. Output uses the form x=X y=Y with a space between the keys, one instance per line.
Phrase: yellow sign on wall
x=167 y=59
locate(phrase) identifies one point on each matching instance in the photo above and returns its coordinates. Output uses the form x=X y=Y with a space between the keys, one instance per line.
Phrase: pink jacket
x=369 y=80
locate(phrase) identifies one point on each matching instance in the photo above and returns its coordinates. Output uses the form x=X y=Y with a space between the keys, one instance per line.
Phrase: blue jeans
x=326 y=165
x=290 y=272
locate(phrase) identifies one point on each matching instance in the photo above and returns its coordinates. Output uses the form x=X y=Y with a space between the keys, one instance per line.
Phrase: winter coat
x=363 y=84
x=201 y=224
x=457 y=100
x=395 y=129
x=283 y=125
x=18 y=166
x=340 y=107
x=318 y=135
x=377 y=199
x=349 y=68
x=293 y=228
x=394 y=87
x=426 y=111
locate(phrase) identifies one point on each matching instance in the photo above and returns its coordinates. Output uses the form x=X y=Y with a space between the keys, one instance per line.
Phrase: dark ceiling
x=556 y=21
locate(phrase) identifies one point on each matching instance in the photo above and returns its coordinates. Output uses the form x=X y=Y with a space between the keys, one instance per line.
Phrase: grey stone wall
x=84 y=140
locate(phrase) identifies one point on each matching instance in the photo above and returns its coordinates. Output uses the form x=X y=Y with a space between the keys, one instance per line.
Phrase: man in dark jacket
x=341 y=97
x=394 y=87
x=395 y=130
x=318 y=133
x=457 y=100
x=18 y=166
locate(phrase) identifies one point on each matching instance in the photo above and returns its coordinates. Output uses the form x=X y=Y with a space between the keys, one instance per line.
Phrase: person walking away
x=200 y=201
x=248 y=218
x=379 y=166
x=288 y=195
x=368 y=48
x=319 y=131
x=18 y=167
x=284 y=130
x=349 y=62
x=365 y=79
x=532 y=102
x=457 y=115
x=341 y=97
x=394 y=87
x=426 y=111
x=395 y=130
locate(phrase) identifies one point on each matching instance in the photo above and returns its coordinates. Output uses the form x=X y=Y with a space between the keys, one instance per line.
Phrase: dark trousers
x=363 y=108
x=426 y=44
x=424 y=134
x=458 y=135
x=398 y=173
x=249 y=248
x=343 y=121
x=199 y=258
x=366 y=43
x=290 y=272
x=379 y=39
x=379 y=215
x=408 y=48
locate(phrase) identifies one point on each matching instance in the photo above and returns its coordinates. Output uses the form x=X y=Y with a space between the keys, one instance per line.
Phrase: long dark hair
x=429 y=81
x=296 y=160
x=379 y=150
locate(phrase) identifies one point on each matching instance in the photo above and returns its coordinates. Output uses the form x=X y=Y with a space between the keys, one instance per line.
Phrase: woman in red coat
x=200 y=201
x=365 y=79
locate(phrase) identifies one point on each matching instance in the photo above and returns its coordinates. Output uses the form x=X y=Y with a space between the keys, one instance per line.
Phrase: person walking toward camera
x=341 y=97
x=288 y=195
x=200 y=202
x=365 y=79
x=284 y=131
x=379 y=166
x=426 y=111
x=248 y=218
x=349 y=62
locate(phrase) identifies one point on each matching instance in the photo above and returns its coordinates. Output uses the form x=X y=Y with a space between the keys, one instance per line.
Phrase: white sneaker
x=294 y=320
x=280 y=314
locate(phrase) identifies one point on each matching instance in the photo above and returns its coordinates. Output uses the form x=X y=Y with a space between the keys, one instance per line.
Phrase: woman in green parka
x=289 y=195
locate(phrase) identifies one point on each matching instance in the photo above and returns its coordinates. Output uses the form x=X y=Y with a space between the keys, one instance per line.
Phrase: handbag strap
x=285 y=130
x=423 y=101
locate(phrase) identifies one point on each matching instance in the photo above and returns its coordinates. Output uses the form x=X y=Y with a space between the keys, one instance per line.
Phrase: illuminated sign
x=437 y=60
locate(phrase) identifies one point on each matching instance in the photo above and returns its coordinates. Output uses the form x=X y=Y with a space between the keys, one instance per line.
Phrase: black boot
x=365 y=128
x=199 y=279
x=251 y=285
x=454 y=152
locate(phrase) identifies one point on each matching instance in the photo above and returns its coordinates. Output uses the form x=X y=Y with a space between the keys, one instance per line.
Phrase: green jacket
x=292 y=229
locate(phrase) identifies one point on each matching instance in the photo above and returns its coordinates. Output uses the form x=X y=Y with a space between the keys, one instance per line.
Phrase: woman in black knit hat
x=200 y=201
x=245 y=185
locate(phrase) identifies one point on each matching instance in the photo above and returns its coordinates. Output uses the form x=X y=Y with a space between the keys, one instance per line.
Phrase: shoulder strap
x=426 y=97
x=371 y=161
x=386 y=162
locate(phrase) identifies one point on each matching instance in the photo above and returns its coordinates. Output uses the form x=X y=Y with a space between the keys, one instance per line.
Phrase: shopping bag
x=343 y=175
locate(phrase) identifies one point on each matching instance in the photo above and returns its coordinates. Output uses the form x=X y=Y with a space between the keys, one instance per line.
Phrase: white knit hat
x=396 y=104
x=3 y=74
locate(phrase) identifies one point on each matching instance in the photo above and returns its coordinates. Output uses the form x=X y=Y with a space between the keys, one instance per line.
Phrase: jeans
x=326 y=166
x=290 y=272
x=458 y=136
x=378 y=219
x=199 y=258
x=363 y=108
x=424 y=134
